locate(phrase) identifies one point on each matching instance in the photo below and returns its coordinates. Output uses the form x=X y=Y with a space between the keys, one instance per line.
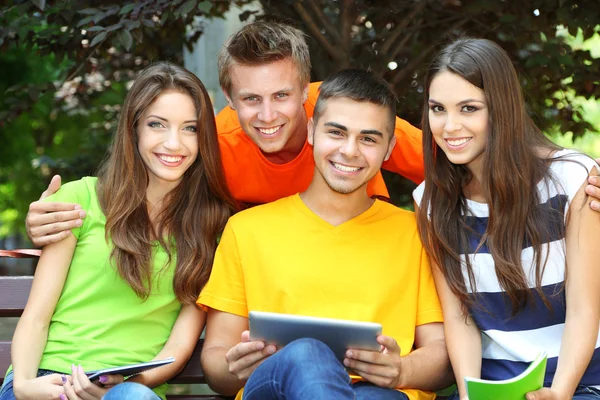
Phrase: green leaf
x=96 y=28
x=205 y=6
x=89 y=11
x=98 y=38
x=186 y=7
x=126 y=39
x=127 y=9
x=85 y=21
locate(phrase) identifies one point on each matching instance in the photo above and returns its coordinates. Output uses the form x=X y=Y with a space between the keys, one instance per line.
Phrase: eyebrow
x=245 y=93
x=363 y=132
x=460 y=103
x=166 y=120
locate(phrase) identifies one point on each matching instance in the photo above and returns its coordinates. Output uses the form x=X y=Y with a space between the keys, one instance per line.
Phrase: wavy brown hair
x=513 y=164
x=194 y=213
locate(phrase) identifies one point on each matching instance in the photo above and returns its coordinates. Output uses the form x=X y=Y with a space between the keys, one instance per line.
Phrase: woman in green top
x=121 y=289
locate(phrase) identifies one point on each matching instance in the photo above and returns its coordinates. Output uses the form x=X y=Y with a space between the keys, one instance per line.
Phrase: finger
x=597 y=160
x=39 y=231
x=49 y=239
x=368 y=356
x=52 y=187
x=246 y=370
x=49 y=218
x=111 y=380
x=69 y=390
x=541 y=394
x=243 y=366
x=242 y=349
x=81 y=383
x=52 y=206
x=377 y=380
x=390 y=344
x=361 y=367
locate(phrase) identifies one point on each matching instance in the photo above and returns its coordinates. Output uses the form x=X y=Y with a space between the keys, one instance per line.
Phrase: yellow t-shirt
x=281 y=257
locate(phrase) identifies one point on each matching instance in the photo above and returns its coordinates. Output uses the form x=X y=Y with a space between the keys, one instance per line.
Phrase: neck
x=293 y=147
x=333 y=207
x=155 y=194
x=474 y=189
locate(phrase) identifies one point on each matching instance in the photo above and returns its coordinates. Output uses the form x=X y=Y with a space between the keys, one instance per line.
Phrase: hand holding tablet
x=338 y=334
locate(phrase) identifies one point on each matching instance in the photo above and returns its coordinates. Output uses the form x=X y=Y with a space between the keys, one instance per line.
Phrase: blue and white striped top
x=509 y=344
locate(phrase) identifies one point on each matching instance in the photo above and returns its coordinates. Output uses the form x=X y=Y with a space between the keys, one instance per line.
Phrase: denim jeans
x=6 y=392
x=308 y=369
x=582 y=393
x=130 y=390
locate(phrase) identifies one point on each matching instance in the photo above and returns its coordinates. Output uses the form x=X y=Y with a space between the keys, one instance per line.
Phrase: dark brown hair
x=194 y=213
x=361 y=86
x=512 y=166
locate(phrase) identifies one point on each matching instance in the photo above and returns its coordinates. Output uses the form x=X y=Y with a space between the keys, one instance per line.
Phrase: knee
x=130 y=390
x=306 y=350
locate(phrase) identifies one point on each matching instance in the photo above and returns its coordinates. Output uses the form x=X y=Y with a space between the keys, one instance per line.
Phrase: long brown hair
x=512 y=167
x=194 y=213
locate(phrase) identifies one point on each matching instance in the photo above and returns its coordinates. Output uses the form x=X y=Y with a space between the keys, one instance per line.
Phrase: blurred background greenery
x=66 y=66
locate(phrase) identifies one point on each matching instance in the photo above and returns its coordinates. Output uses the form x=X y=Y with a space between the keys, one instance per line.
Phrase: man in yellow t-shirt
x=330 y=251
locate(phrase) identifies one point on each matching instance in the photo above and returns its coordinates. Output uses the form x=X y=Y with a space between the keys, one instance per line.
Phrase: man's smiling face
x=350 y=142
x=269 y=102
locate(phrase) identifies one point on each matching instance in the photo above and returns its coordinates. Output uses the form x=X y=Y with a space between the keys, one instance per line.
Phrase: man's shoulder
x=390 y=211
x=263 y=213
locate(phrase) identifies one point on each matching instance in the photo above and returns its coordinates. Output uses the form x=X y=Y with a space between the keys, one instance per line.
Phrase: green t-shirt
x=99 y=321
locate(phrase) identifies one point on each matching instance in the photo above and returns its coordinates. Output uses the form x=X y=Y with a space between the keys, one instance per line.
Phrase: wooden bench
x=14 y=291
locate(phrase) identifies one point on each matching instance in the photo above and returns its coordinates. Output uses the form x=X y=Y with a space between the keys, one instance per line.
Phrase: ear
x=305 y=94
x=229 y=101
x=390 y=148
x=310 y=126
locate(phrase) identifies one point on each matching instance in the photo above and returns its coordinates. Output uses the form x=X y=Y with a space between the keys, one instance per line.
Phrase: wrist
x=404 y=368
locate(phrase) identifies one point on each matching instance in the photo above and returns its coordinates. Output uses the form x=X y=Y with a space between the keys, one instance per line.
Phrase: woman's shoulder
x=570 y=168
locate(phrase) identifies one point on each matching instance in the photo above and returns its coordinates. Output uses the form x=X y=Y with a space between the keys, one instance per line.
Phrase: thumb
x=245 y=336
x=52 y=187
x=389 y=343
x=110 y=380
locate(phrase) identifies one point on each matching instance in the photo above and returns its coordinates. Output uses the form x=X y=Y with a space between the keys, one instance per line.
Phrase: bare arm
x=582 y=296
x=181 y=343
x=48 y=222
x=463 y=337
x=227 y=362
x=31 y=333
x=428 y=366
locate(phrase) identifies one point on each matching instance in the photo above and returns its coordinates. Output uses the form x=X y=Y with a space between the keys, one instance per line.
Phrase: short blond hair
x=261 y=43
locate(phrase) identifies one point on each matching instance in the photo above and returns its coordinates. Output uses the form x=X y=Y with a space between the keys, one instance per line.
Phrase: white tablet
x=338 y=334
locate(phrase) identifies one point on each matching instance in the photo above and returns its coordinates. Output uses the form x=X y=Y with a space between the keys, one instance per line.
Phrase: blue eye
x=191 y=128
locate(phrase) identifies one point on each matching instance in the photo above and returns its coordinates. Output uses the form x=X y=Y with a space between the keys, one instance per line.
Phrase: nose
x=267 y=112
x=349 y=148
x=452 y=123
x=172 y=139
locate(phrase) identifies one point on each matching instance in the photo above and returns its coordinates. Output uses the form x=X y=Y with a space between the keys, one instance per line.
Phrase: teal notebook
x=510 y=389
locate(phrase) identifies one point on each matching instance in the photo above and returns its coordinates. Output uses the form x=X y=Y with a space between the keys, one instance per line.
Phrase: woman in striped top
x=504 y=217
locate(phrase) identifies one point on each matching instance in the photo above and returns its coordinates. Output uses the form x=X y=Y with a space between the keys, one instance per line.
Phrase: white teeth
x=170 y=159
x=269 y=131
x=345 y=168
x=457 y=142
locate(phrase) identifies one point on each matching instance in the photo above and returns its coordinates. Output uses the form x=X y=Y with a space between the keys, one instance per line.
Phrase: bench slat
x=14 y=291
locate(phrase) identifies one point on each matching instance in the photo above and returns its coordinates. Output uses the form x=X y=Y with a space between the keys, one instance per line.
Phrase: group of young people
x=496 y=265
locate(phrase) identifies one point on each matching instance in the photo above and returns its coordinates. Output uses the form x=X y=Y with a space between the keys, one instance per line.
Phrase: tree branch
x=401 y=75
x=347 y=18
x=325 y=22
x=316 y=33
x=393 y=36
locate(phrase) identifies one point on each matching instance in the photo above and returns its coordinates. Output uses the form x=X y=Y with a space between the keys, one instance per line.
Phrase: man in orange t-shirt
x=264 y=70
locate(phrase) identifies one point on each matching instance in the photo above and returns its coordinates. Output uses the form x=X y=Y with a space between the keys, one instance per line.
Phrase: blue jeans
x=582 y=393
x=6 y=392
x=308 y=369
x=130 y=390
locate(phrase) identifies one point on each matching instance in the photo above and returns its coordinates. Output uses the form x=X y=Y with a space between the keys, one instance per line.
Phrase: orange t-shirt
x=252 y=179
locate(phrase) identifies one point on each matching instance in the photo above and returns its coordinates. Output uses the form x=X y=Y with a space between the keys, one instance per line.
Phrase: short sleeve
x=225 y=290
x=428 y=309
x=75 y=192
